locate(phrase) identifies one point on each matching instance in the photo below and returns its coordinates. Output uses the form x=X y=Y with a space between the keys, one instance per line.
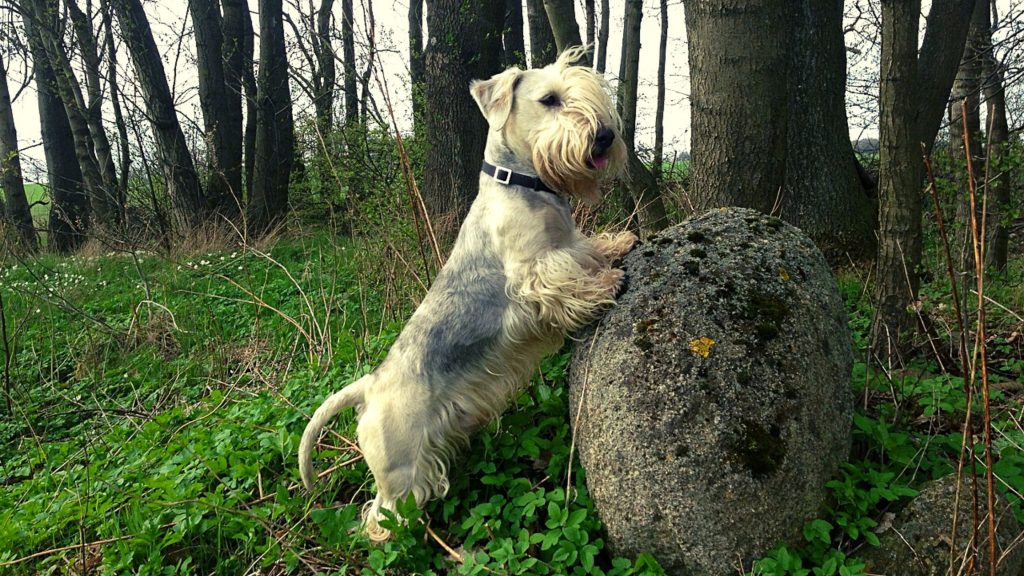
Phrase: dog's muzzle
x=603 y=140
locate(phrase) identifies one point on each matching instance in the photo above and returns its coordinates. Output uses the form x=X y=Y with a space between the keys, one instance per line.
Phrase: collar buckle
x=502 y=175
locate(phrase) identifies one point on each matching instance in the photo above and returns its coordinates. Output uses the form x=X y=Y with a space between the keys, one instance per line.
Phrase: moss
x=764 y=313
x=692 y=267
x=696 y=236
x=773 y=223
x=698 y=253
x=760 y=450
x=661 y=240
x=642 y=340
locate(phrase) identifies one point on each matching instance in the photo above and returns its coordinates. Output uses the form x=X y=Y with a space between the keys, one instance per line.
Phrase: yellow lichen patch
x=702 y=346
x=784 y=274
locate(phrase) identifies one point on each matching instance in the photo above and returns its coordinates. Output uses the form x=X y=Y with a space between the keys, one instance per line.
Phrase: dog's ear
x=495 y=96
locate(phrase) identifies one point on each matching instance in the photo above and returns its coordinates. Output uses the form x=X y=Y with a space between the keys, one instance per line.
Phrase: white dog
x=519 y=277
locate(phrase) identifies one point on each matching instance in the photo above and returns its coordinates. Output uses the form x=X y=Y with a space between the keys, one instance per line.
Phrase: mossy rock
x=917 y=541
x=713 y=402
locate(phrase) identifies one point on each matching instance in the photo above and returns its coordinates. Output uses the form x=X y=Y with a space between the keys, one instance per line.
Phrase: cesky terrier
x=519 y=277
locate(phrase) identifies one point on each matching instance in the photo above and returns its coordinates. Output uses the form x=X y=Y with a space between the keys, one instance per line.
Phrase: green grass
x=157 y=407
x=35 y=193
x=157 y=410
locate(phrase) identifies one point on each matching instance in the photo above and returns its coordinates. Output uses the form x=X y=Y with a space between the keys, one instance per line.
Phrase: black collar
x=505 y=176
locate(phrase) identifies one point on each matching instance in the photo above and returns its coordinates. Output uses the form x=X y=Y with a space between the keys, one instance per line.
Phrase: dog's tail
x=350 y=395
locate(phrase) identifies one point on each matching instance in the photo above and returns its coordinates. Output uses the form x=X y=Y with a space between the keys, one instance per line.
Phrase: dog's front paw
x=612 y=279
x=623 y=243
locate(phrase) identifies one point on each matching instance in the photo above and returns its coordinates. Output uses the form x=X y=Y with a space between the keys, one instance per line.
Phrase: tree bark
x=738 y=101
x=224 y=181
x=249 y=86
x=106 y=205
x=542 y=39
x=17 y=209
x=602 y=38
x=590 y=13
x=643 y=189
x=235 y=20
x=456 y=131
x=416 y=72
x=348 y=49
x=512 y=35
x=823 y=194
x=996 y=165
x=124 y=156
x=69 y=203
x=182 y=181
x=43 y=14
x=659 y=113
x=913 y=92
x=562 y=17
x=275 y=140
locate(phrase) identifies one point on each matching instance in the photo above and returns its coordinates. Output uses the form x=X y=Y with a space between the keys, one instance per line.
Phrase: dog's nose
x=604 y=137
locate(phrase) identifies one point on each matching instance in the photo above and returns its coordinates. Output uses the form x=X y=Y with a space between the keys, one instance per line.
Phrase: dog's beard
x=562 y=156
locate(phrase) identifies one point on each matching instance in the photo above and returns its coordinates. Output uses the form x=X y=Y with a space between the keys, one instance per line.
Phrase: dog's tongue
x=599 y=162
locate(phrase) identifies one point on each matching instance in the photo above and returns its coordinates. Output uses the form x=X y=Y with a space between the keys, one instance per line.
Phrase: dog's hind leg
x=394 y=437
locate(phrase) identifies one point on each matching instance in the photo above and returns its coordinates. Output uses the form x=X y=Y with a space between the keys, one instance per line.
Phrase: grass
x=37 y=193
x=157 y=406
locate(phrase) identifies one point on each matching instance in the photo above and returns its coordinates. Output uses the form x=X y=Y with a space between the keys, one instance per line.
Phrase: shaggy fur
x=519 y=277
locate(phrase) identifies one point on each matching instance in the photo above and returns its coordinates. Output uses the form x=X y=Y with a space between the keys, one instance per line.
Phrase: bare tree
x=235 y=21
x=275 y=139
x=223 y=145
x=659 y=114
x=562 y=18
x=644 y=193
x=913 y=93
x=17 y=207
x=114 y=89
x=69 y=203
x=348 y=51
x=187 y=196
x=997 y=169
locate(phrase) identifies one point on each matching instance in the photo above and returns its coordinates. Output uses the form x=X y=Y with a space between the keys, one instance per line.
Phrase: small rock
x=918 y=541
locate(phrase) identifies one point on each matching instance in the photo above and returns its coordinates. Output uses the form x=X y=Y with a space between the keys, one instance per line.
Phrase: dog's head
x=559 y=118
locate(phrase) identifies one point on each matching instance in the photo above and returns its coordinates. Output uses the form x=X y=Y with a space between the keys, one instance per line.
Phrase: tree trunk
x=348 y=48
x=899 y=179
x=416 y=73
x=249 y=85
x=823 y=194
x=966 y=93
x=659 y=114
x=590 y=13
x=542 y=39
x=644 y=193
x=913 y=93
x=236 y=16
x=69 y=204
x=43 y=13
x=17 y=208
x=562 y=17
x=371 y=54
x=738 y=101
x=106 y=205
x=997 y=167
x=512 y=35
x=602 y=38
x=124 y=159
x=190 y=204
x=456 y=131
x=223 y=184
x=275 y=140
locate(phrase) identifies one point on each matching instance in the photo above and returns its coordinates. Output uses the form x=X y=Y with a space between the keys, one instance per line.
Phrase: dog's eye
x=550 y=100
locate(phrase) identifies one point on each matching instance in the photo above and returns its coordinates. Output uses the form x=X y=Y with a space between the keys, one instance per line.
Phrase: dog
x=520 y=276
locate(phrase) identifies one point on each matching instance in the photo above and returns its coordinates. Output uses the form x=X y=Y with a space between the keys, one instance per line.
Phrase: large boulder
x=712 y=404
x=917 y=542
